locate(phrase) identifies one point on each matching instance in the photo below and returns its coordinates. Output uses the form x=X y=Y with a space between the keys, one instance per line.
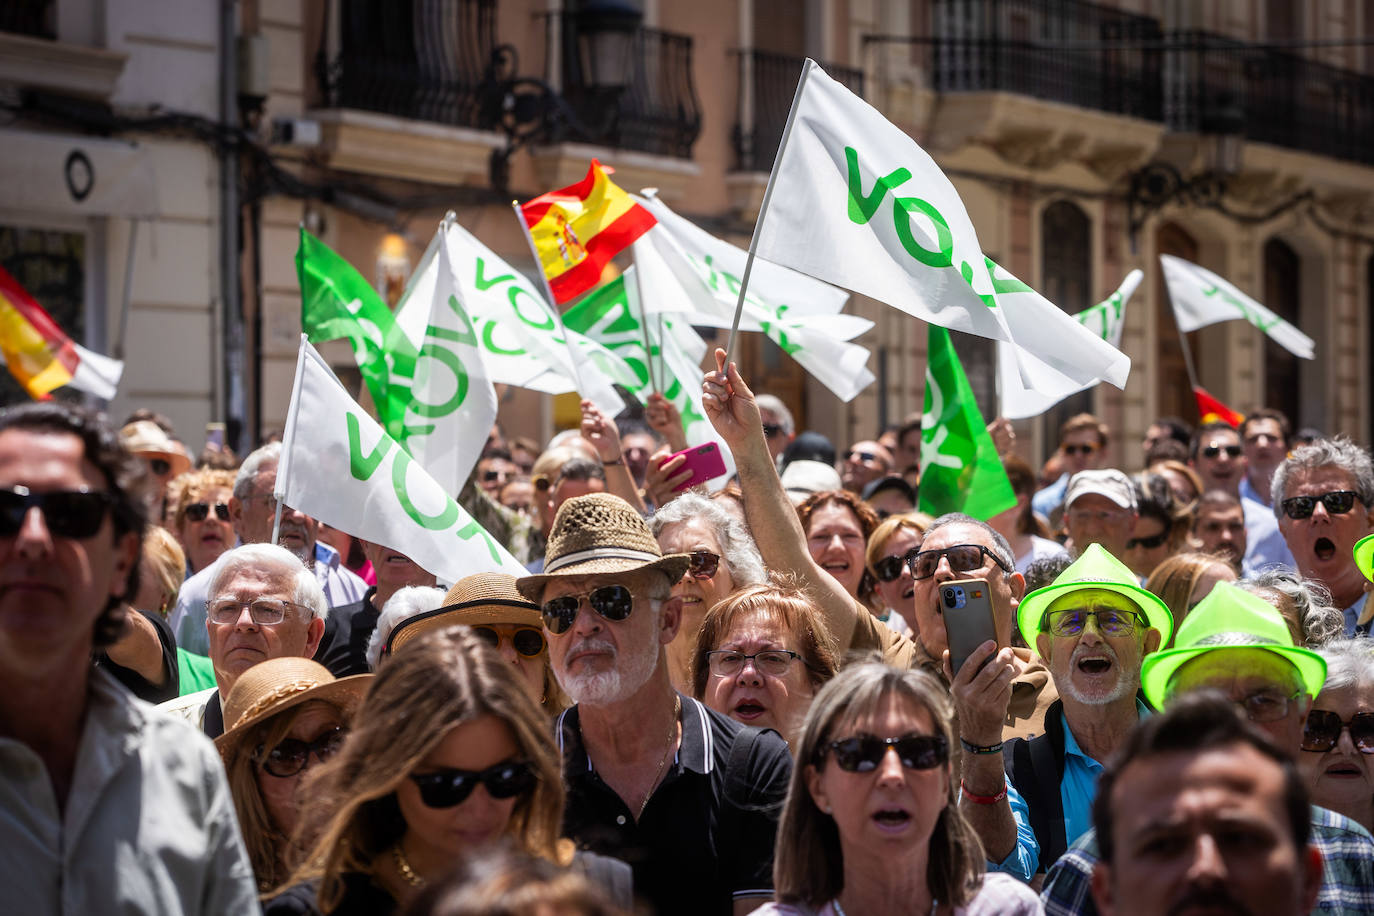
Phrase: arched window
x=1066 y=279
x=1283 y=297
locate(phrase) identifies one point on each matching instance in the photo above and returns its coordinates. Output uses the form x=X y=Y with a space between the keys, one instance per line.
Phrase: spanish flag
x=1210 y=409
x=41 y=356
x=577 y=230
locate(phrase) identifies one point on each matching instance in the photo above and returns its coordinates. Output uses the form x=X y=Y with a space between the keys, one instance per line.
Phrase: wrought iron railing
x=767 y=83
x=421 y=59
x=35 y=18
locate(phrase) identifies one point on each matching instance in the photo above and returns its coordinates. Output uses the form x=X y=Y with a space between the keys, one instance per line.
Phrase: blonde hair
x=1174 y=579
x=166 y=562
x=191 y=486
x=887 y=529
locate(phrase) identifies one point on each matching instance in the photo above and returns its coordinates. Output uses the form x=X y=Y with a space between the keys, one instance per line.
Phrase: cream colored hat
x=489 y=597
x=146 y=439
x=278 y=684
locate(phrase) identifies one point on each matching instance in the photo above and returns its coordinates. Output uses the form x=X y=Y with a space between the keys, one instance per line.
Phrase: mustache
x=1213 y=896
x=592 y=644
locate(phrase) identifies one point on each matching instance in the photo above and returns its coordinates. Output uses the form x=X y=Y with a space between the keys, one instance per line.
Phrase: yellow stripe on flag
x=28 y=354
x=562 y=233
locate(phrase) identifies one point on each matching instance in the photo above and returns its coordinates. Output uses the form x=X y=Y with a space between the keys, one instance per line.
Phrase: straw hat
x=146 y=439
x=1096 y=569
x=488 y=597
x=277 y=685
x=1229 y=618
x=598 y=534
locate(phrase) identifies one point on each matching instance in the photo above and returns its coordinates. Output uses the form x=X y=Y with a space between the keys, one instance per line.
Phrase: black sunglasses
x=1149 y=543
x=770 y=430
x=1079 y=449
x=199 y=512
x=1337 y=502
x=889 y=568
x=863 y=753
x=1213 y=451
x=446 y=788
x=527 y=641
x=614 y=602
x=962 y=558
x=1323 y=729
x=293 y=755
x=159 y=466
x=74 y=514
x=703 y=565
x=862 y=456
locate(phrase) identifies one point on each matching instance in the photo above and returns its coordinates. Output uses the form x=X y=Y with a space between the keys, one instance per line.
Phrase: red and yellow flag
x=579 y=229
x=39 y=355
x=1209 y=409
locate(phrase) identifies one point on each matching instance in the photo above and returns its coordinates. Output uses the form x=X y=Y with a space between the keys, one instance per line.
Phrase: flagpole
x=763 y=208
x=644 y=326
x=288 y=440
x=662 y=355
x=1187 y=354
x=548 y=291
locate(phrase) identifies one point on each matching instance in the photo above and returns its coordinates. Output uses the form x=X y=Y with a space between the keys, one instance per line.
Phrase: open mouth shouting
x=1323 y=549
x=748 y=709
x=893 y=819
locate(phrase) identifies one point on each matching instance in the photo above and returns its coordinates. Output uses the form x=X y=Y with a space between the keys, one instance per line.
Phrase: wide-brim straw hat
x=278 y=684
x=1096 y=569
x=146 y=439
x=599 y=534
x=489 y=597
x=1230 y=618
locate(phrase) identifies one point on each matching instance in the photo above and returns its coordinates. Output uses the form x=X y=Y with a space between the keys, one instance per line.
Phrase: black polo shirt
x=707 y=833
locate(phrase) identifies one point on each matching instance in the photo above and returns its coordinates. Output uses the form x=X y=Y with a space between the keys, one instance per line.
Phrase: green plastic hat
x=1096 y=569
x=1230 y=618
x=1364 y=556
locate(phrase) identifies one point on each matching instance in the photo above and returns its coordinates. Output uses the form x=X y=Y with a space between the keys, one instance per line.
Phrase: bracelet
x=981 y=748
x=983 y=799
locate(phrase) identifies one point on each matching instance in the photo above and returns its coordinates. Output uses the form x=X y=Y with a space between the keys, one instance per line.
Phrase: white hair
x=270 y=559
x=252 y=467
x=736 y=543
x=774 y=405
x=408 y=602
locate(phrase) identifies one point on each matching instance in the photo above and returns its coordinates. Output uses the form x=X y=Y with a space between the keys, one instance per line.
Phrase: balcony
x=767 y=84
x=34 y=18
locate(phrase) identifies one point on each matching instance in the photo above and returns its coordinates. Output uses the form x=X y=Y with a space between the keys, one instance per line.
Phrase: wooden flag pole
x=548 y=291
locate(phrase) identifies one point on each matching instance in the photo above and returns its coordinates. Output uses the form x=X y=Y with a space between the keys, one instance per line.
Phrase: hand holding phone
x=966 y=607
x=703 y=461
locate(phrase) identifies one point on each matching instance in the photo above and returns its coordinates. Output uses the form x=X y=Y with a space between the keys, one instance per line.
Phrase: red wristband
x=983 y=799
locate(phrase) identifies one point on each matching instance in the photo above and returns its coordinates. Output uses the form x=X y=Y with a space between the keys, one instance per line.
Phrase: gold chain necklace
x=667 y=752
x=403 y=866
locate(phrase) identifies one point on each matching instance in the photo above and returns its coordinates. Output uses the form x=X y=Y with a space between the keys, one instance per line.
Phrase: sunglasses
x=770 y=430
x=1149 y=543
x=1079 y=449
x=1337 y=502
x=199 y=512
x=862 y=456
x=446 y=788
x=863 y=753
x=961 y=557
x=614 y=602
x=772 y=662
x=703 y=565
x=1323 y=730
x=74 y=514
x=889 y=568
x=1071 y=621
x=527 y=641
x=1212 y=451
x=160 y=467
x=293 y=755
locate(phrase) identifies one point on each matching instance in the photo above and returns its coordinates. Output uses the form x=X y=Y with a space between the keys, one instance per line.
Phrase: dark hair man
x=1264 y=438
x=1082 y=447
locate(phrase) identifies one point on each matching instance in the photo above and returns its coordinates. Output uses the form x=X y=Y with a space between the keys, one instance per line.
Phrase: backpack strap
x=1036 y=768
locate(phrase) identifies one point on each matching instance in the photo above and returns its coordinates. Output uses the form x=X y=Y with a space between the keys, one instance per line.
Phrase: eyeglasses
x=265 y=612
x=614 y=602
x=771 y=429
x=1323 y=730
x=293 y=755
x=1337 y=502
x=160 y=467
x=526 y=641
x=76 y=514
x=772 y=662
x=889 y=568
x=446 y=788
x=199 y=512
x=863 y=753
x=1110 y=622
x=961 y=557
x=1265 y=707
x=703 y=565
x=1212 y=451
x=1079 y=449
x=862 y=456
x=1149 y=543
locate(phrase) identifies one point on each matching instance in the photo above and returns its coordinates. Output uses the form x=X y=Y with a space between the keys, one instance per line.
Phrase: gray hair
x=408 y=602
x=1321 y=622
x=1001 y=547
x=774 y=405
x=736 y=543
x=270 y=559
x=252 y=467
x=1339 y=452
x=1349 y=663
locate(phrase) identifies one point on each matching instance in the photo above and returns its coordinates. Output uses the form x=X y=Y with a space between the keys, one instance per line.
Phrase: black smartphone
x=967 y=610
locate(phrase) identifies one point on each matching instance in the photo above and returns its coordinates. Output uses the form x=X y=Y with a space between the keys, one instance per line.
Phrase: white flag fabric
x=95 y=374
x=1105 y=319
x=339 y=466
x=1200 y=298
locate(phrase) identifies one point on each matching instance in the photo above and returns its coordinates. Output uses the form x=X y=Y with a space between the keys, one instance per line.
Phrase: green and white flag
x=336 y=302
x=339 y=466
x=1200 y=298
x=854 y=201
x=960 y=468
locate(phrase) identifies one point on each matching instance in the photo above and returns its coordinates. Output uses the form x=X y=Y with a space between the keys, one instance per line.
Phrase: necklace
x=839 y=910
x=667 y=751
x=399 y=857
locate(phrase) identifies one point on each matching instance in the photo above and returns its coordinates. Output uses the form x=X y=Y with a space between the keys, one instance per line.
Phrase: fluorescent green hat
x=1364 y=556
x=1097 y=569
x=1230 y=618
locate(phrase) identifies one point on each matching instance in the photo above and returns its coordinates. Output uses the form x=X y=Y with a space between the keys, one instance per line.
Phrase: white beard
x=630 y=671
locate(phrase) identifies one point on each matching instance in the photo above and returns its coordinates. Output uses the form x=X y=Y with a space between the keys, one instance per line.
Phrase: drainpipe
x=226 y=337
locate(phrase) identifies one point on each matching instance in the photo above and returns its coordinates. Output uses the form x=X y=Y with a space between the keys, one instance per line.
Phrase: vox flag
x=41 y=356
x=577 y=230
x=960 y=468
x=1200 y=298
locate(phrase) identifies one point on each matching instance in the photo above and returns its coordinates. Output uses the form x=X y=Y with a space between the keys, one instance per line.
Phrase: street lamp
x=605 y=35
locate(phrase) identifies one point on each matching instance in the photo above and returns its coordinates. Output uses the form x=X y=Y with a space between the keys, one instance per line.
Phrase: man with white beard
x=1093 y=626
x=687 y=796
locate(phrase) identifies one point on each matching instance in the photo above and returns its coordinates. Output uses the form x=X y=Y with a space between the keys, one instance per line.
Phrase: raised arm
x=605 y=438
x=664 y=419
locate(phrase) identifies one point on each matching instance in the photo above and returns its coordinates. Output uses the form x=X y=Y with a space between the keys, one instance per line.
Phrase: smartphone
x=214 y=434
x=703 y=461
x=967 y=609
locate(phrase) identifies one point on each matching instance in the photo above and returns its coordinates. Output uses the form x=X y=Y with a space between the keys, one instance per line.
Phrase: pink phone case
x=703 y=461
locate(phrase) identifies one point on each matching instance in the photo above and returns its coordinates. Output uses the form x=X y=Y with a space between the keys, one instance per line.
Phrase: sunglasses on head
x=889 y=568
x=1323 y=729
x=199 y=512
x=1212 y=451
x=293 y=755
x=1079 y=449
x=526 y=641
x=614 y=602
x=1149 y=543
x=1337 y=502
x=68 y=513
x=961 y=558
x=703 y=565
x=863 y=753
x=446 y=788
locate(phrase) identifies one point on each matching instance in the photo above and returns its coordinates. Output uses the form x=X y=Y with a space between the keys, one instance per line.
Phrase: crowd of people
x=747 y=695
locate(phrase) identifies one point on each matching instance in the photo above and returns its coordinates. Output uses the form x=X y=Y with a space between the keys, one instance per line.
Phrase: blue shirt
x=1045 y=501
x=1264 y=543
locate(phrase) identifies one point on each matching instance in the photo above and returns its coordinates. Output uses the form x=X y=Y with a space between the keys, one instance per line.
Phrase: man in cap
x=1237 y=643
x=1092 y=626
x=1324 y=499
x=1100 y=508
x=104 y=805
x=682 y=793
